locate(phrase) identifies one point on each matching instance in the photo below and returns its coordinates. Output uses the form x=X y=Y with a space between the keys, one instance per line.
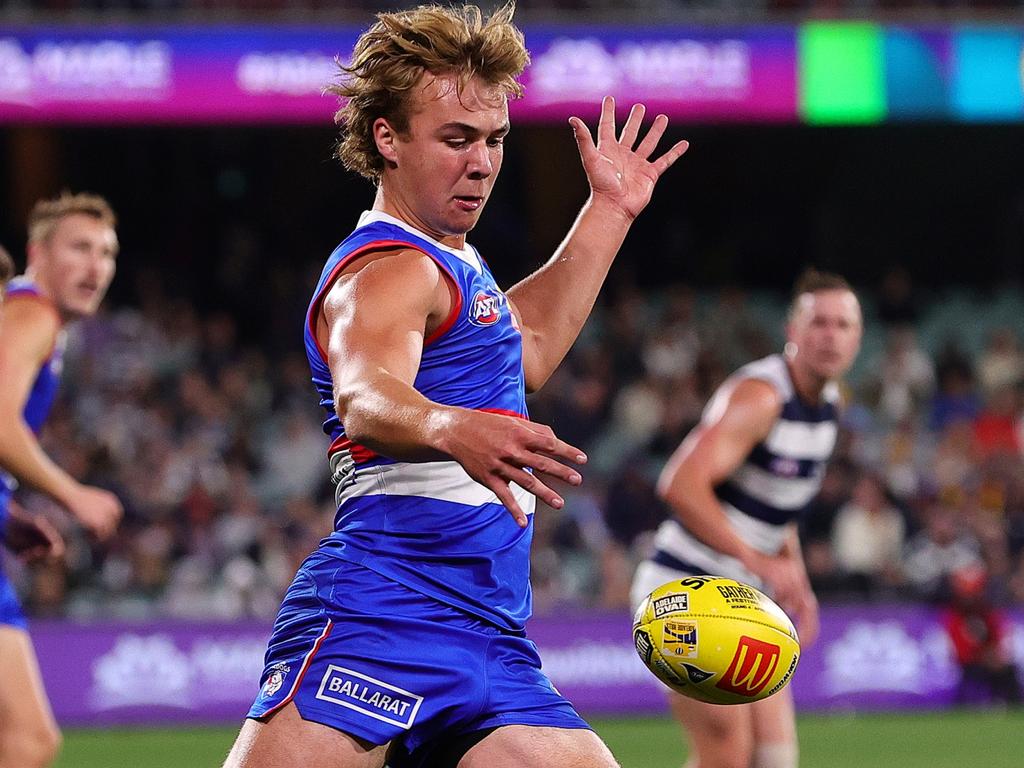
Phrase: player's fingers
x=664 y=162
x=536 y=486
x=554 y=469
x=606 y=126
x=584 y=141
x=504 y=493
x=632 y=127
x=543 y=440
x=54 y=541
x=654 y=134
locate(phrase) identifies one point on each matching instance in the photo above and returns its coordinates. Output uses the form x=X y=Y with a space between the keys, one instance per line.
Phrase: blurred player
x=406 y=627
x=6 y=271
x=71 y=250
x=737 y=484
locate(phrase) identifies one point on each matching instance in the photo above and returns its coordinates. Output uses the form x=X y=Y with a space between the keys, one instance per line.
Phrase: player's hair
x=813 y=281
x=6 y=267
x=390 y=57
x=46 y=214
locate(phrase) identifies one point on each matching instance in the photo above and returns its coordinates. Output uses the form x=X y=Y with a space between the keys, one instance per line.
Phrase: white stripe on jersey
x=802 y=440
x=674 y=539
x=788 y=493
x=441 y=480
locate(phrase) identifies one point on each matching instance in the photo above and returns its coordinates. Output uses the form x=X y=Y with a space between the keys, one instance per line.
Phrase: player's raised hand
x=98 y=510
x=496 y=450
x=617 y=170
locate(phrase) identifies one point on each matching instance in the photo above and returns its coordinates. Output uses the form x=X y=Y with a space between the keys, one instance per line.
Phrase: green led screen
x=841 y=73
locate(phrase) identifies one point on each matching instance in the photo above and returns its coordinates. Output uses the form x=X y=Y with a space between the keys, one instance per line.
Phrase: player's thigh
x=285 y=740
x=775 y=718
x=24 y=709
x=528 y=746
x=715 y=729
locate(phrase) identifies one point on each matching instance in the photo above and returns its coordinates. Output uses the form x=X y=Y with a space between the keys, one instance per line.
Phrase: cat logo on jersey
x=485 y=309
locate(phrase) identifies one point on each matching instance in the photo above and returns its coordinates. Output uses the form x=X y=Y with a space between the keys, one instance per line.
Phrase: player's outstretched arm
x=27 y=336
x=376 y=317
x=622 y=177
x=735 y=421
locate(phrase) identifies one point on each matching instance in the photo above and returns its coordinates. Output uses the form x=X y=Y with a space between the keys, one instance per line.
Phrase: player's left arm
x=806 y=604
x=553 y=303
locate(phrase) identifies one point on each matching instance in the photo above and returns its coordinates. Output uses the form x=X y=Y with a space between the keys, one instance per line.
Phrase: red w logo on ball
x=751 y=668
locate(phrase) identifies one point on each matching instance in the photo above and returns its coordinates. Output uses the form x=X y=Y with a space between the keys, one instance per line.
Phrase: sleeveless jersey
x=44 y=389
x=774 y=484
x=428 y=525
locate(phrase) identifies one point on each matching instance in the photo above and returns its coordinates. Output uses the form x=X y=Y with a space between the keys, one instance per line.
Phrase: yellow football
x=716 y=640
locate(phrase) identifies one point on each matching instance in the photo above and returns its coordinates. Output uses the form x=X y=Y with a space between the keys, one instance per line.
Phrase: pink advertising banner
x=215 y=75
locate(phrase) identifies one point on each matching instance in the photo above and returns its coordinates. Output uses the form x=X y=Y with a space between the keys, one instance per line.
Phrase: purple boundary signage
x=866 y=658
x=246 y=74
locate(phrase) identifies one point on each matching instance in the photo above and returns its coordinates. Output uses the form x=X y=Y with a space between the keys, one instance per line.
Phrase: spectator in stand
x=1001 y=364
x=940 y=549
x=905 y=376
x=868 y=538
x=896 y=302
x=995 y=429
x=980 y=635
x=956 y=398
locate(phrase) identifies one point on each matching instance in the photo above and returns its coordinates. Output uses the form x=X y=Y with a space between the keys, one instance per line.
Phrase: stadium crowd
x=214 y=444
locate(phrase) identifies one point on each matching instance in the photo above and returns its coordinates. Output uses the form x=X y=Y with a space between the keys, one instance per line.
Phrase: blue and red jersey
x=428 y=525
x=44 y=389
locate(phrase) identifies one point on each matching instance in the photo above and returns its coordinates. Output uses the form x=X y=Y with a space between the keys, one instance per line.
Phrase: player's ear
x=385 y=137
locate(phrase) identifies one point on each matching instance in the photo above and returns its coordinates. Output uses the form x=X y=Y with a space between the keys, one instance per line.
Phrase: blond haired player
x=737 y=485
x=403 y=635
x=71 y=250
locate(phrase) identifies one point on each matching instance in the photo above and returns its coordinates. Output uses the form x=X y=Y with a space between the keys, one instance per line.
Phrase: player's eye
x=496 y=141
x=455 y=143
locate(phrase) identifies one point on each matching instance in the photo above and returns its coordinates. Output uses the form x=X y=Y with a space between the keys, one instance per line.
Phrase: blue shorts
x=378 y=661
x=10 y=608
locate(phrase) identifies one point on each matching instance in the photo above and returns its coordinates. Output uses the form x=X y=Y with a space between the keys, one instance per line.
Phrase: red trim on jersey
x=502 y=412
x=449 y=321
x=317 y=303
x=302 y=670
x=378 y=245
x=360 y=453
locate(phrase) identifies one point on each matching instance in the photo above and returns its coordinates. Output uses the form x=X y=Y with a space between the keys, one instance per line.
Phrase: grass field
x=940 y=740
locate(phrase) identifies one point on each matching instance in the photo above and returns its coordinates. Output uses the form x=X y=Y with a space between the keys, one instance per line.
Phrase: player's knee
x=778 y=755
x=31 y=748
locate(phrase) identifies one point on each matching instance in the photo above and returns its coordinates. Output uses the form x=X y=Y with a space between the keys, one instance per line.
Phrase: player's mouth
x=469 y=202
x=88 y=290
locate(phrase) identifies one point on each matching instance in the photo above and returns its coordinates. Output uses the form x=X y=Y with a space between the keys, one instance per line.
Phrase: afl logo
x=485 y=308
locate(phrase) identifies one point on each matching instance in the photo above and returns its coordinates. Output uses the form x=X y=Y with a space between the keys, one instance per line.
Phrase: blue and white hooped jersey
x=772 y=487
x=429 y=525
x=44 y=389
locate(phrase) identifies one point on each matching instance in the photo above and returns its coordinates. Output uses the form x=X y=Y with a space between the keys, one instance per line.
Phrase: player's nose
x=478 y=163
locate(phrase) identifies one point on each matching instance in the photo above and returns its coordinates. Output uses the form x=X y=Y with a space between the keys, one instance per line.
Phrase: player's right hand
x=99 y=511
x=496 y=450
x=783 y=577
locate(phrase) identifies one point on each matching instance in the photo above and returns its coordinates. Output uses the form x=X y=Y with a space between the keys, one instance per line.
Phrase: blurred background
x=875 y=138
